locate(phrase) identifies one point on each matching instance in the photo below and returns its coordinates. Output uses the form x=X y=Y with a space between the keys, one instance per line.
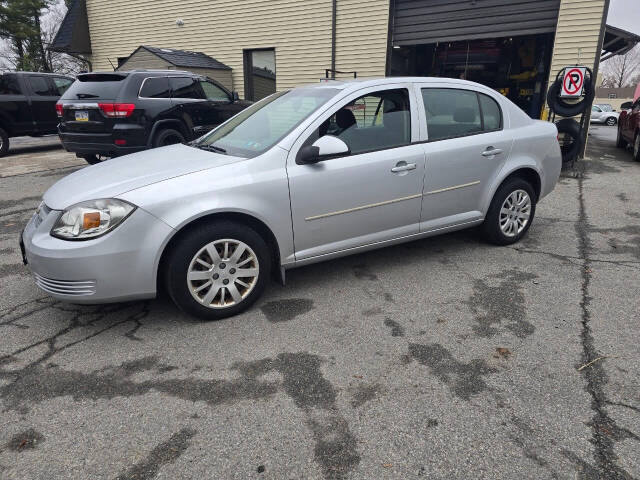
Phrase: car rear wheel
x=510 y=213
x=217 y=270
x=4 y=142
x=611 y=121
x=636 y=147
x=168 y=136
x=620 y=141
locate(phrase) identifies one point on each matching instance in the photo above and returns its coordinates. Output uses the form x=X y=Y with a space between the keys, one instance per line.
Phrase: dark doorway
x=259 y=73
x=517 y=67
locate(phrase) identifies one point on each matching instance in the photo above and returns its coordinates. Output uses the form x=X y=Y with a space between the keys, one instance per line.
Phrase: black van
x=28 y=104
x=108 y=114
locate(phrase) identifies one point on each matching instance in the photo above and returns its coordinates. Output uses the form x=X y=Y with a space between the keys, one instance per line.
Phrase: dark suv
x=27 y=104
x=108 y=114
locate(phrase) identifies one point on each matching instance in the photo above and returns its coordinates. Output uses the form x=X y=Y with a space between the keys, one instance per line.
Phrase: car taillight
x=59 y=109
x=117 y=110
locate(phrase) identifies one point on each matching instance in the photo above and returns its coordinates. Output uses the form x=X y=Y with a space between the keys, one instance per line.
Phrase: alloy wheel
x=636 y=146
x=223 y=273
x=611 y=121
x=515 y=213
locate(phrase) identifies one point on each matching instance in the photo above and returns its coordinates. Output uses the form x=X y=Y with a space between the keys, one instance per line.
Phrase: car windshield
x=262 y=125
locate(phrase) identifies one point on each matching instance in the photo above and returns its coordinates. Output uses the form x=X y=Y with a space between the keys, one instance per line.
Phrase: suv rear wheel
x=217 y=270
x=4 y=142
x=167 y=136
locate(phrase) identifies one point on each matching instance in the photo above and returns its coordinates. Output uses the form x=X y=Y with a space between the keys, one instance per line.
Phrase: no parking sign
x=573 y=82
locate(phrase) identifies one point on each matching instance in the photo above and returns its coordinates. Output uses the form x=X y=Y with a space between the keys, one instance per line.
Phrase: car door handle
x=403 y=167
x=490 y=152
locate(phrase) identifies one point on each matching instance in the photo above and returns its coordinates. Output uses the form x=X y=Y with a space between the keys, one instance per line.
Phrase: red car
x=629 y=127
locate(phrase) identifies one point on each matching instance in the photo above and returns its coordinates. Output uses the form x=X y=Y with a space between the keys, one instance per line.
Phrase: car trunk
x=87 y=103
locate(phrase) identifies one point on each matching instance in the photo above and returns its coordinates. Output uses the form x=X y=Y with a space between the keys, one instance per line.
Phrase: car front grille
x=66 y=287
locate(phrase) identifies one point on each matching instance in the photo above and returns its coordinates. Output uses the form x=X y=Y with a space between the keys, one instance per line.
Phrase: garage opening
x=503 y=44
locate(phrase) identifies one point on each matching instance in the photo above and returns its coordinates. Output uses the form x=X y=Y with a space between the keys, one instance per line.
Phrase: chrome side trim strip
x=363 y=207
x=453 y=188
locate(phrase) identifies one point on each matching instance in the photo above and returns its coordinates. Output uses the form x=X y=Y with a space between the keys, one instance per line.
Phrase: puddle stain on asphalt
x=622 y=197
x=621 y=247
x=28 y=439
x=397 y=330
x=503 y=304
x=463 y=379
x=287 y=309
x=6 y=204
x=365 y=393
x=163 y=454
x=363 y=272
x=335 y=446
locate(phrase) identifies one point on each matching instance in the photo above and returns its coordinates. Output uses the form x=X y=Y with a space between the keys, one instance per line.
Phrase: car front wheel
x=217 y=270
x=510 y=213
x=636 y=147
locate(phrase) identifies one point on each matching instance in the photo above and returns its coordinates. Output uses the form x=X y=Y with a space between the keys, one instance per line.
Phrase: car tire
x=636 y=147
x=620 y=141
x=564 y=108
x=611 y=121
x=200 y=283
x=505 y=222
x=570 y=127
x=168 y=136
x=4 y=142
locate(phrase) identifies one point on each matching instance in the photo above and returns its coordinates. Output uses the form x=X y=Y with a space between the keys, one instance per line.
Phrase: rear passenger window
x=41 y=86
x=185 y=87
x=372 y=122
x=491 y=113
x=451 y=112
x=155 y=87
x=9 y=85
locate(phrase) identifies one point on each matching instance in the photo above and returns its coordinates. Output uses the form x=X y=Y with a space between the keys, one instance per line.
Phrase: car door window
x=491 y=113
x=62 y=84
x=155 y=87
x=595 y=109
x=375 y=121
x=41 y=86
x=185 y=87
x=451 y=113
x=213 y=92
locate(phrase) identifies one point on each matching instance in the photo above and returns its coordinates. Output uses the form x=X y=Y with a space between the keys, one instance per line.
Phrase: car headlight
x=91 y=219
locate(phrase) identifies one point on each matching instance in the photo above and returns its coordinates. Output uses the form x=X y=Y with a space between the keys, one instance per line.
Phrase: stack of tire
x=563 y=108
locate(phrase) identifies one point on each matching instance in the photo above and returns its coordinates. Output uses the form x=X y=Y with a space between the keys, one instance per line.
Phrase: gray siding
x=431 y=21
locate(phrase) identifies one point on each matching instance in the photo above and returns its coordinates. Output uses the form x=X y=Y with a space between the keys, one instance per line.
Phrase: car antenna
x=109 y=60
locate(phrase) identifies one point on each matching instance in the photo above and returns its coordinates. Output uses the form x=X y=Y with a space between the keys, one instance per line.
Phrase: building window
x=259 y=73
x=613 y=95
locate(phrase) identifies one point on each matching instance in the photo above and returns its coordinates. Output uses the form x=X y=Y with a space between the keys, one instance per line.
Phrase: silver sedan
x=302 y=176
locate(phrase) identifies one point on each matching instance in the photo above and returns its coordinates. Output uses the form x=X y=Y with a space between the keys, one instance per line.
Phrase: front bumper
x=118 y=266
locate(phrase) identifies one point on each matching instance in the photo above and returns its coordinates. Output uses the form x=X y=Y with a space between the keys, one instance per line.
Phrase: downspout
x=334 y=17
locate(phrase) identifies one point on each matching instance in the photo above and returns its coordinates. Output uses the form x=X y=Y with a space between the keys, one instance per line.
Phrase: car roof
x=358 y=83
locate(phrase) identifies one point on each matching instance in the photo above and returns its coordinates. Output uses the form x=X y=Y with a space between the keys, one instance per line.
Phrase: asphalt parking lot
x=445 y=358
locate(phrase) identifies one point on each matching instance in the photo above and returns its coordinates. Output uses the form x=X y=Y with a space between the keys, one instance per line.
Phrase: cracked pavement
x=444 y=358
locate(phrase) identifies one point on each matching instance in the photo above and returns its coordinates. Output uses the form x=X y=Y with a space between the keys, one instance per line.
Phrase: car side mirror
x=324 y=148
x=234 y=96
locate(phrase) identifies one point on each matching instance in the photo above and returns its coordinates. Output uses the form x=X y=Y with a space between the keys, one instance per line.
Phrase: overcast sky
x=625 y=14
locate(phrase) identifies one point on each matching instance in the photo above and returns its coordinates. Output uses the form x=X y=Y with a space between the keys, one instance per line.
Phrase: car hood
x=123 y=174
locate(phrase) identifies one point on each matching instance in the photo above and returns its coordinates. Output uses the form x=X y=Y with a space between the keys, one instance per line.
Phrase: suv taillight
x=59 y=109
x=117 y=110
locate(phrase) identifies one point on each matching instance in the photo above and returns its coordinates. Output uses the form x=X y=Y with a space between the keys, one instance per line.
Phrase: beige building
x=614 y=96
x=268 y=45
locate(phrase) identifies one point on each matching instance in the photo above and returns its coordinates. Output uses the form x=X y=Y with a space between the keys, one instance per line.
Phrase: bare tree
x=619 y=71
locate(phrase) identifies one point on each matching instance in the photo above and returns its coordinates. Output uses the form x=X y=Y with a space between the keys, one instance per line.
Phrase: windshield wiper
x=209 y=148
